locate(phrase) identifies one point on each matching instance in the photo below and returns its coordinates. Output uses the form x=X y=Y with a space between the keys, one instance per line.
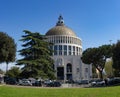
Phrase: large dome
x=60 y=29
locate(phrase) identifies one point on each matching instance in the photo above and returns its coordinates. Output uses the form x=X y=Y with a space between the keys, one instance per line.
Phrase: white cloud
x=3 y=66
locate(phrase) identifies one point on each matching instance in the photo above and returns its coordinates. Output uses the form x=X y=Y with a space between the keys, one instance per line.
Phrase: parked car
x=25 y=82
x=98 y=82
x=46 y=82
x=54 y=84
x=37 y=83
x=70 y=81
x=83 y=82
x=114 y=81
x=9 y=80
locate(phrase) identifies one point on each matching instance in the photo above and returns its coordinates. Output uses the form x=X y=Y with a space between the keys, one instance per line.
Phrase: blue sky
x=94 y=21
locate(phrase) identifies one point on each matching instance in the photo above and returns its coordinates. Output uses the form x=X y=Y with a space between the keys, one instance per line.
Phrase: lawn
x=10 y=91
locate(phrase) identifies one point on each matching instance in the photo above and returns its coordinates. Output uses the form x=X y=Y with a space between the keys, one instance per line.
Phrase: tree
x=97 y=57
x=1 y=71
x=116 y=58
x=36 y=56
x=14 y=72
x=7 y=49
x=108 y=67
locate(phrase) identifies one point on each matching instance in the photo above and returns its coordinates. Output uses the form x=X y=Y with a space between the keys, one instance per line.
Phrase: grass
x=10 y=91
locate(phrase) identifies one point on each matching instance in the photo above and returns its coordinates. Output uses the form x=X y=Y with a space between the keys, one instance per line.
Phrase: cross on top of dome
x=60 y=21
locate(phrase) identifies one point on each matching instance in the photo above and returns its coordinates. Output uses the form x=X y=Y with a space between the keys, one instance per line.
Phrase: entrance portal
x=60 y=73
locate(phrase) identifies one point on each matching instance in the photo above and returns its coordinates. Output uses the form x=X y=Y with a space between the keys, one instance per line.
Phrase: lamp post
x=110 y=42
x=111 y=57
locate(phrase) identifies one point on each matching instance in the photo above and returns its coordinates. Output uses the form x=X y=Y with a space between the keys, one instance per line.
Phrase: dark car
x=37 y=83
x=57 y=84
x=54 y=84
x=83 y=82
x=114 y=81
x=9 y=80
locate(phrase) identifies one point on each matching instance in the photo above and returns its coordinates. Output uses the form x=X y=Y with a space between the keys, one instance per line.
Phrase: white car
x=98 y=83
x=25 y=83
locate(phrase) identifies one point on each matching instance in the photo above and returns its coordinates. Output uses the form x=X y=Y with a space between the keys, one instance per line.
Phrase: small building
x=1 y=78
x=67 y=53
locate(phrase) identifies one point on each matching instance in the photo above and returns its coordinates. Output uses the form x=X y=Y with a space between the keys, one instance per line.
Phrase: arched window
x=60 y=62
x=69 y=68
x=69 y=71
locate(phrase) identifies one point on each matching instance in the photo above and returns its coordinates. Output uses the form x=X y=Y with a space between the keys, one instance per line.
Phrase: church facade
x=67 y=53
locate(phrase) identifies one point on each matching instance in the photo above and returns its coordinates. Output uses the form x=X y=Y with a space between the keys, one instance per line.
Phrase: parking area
x=55 y=83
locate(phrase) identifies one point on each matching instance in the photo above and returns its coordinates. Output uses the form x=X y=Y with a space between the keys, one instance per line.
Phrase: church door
x=60 y=73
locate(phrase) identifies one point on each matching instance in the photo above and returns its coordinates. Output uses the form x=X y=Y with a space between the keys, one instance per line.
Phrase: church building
x=67 y=53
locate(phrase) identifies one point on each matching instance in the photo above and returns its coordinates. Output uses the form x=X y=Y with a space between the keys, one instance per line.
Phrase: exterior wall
x=62 y=58
x=87 y=71
x=74 y=61
x=78 y=68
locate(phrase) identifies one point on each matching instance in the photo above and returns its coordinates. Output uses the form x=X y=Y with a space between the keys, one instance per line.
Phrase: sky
x=96 y=22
